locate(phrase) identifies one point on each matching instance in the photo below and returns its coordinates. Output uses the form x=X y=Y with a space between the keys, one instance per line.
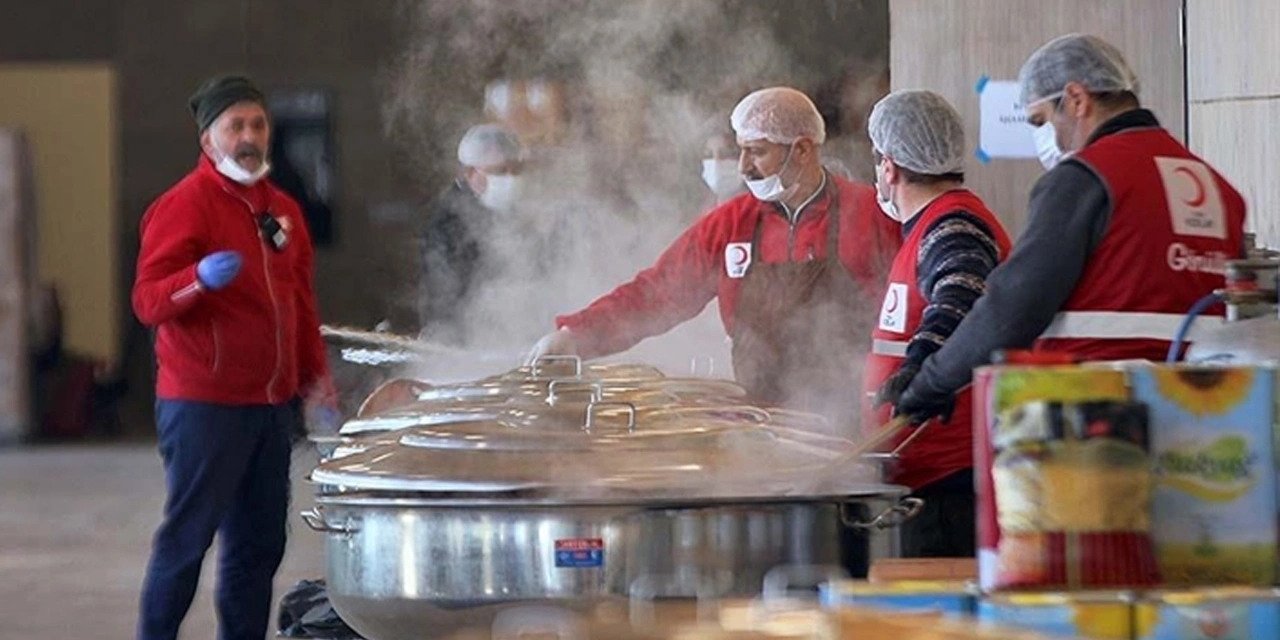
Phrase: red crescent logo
x=740 y=256
x=1195 y=180
x=893 y=301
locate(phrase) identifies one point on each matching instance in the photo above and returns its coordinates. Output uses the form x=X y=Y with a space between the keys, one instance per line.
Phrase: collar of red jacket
x=253 y=193
x=820 y=201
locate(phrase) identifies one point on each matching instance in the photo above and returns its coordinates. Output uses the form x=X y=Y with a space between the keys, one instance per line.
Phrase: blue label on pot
x=580 y=552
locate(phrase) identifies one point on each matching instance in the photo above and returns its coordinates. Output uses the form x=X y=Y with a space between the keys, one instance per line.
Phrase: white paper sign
x=1003 y=131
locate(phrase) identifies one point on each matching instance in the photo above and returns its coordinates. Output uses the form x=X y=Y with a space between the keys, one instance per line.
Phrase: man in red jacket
x=224 y=279
x=797 y=265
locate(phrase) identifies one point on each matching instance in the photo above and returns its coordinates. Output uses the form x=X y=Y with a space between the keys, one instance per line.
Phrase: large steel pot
x=399 y=566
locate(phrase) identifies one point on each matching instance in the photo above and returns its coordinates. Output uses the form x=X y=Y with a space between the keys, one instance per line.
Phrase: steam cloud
x=643 y=79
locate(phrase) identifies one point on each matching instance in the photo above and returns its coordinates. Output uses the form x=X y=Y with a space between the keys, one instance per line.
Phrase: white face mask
x=770 y=189
x=722 y=177
x=1047 y=145
x=885 y=200
x=228 y=167
x=501 y=192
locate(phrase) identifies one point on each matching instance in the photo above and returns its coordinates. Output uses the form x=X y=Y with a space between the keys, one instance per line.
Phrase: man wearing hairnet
x=485 y=193
x=1126 y=231
x=951 y=243
x=796 y=264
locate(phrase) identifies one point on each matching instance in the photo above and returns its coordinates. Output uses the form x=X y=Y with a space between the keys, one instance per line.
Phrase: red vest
x=1174 y=223
x=942 y=449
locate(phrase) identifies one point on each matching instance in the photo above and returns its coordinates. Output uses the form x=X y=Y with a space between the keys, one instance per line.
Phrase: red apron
x=801 y=329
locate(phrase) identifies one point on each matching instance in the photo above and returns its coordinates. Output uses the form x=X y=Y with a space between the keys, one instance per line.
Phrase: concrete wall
x=1233 y=86
x=946 y=45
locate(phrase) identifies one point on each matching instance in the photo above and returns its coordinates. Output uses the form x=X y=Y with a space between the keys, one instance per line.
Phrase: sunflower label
x=1213 y=514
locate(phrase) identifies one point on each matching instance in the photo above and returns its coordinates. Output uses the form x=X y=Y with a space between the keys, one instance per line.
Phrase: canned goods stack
x=1119 y=501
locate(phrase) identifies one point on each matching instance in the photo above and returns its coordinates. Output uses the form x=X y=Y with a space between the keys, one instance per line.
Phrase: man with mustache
x=224 y=280
x=794 y=264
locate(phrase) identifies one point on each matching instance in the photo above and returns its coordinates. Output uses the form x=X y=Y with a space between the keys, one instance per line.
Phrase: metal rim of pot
x=904 y=509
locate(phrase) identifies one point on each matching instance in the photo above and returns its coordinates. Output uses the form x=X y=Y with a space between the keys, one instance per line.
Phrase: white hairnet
x=920 y=130
x=1075 y=57
x=780 y=115
x=488 y=145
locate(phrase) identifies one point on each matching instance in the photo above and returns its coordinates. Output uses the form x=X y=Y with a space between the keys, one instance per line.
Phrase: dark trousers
x=227 y=472
x=945 y=527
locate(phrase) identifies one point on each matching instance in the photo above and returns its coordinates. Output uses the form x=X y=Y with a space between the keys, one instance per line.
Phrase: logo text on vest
x=1195 y=206
x=893 y=312
x=1183 y=258
x=737 y=257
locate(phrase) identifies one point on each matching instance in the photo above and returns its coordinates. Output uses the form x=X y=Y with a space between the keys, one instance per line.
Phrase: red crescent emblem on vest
x=1195 y=180
x=893 y=301
x=739 y=256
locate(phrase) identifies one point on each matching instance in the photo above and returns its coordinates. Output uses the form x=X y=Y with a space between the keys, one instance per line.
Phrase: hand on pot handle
x=920 y=405
x=891 y=391
x=560 y=342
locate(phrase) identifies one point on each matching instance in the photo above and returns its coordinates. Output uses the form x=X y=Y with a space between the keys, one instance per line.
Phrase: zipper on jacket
x=794 y=221
x=271 y=292
x=217 y=346
x=275 y=310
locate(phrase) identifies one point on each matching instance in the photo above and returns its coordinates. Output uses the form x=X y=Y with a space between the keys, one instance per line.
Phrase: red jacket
x=256 y=341
x=706 y=261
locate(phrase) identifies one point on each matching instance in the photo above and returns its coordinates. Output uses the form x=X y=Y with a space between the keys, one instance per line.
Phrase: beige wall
x=1233 y=86
x=68 y=112
x=946 y=45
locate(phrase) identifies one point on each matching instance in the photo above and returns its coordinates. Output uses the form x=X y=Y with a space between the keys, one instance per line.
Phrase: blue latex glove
x=325 y=420
x=218 y=269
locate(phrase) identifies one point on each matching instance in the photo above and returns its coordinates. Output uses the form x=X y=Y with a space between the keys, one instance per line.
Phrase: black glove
x=892 y=388
x=919 y=405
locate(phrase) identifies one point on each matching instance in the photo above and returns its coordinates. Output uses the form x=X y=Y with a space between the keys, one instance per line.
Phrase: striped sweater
x=956 y=254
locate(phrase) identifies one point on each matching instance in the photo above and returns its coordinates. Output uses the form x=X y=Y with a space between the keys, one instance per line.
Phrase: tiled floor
x=75 y=531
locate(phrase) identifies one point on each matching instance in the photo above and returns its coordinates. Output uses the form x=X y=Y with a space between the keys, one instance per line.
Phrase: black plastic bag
x=305 y=612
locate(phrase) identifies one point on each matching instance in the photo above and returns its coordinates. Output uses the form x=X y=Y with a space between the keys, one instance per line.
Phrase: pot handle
x=591 y=413
x=906 y=509
x=521 y=622
x=596 y=389
x=535 y=369
x=317 y=522
x=779 y=580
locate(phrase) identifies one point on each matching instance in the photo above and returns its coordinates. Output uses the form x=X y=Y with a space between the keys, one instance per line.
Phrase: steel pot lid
x=716 y=461
x=580 y=427
x=565 y=414
x=407 y=418
x=484 y=403
x=654 y=390
x=552 y=367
